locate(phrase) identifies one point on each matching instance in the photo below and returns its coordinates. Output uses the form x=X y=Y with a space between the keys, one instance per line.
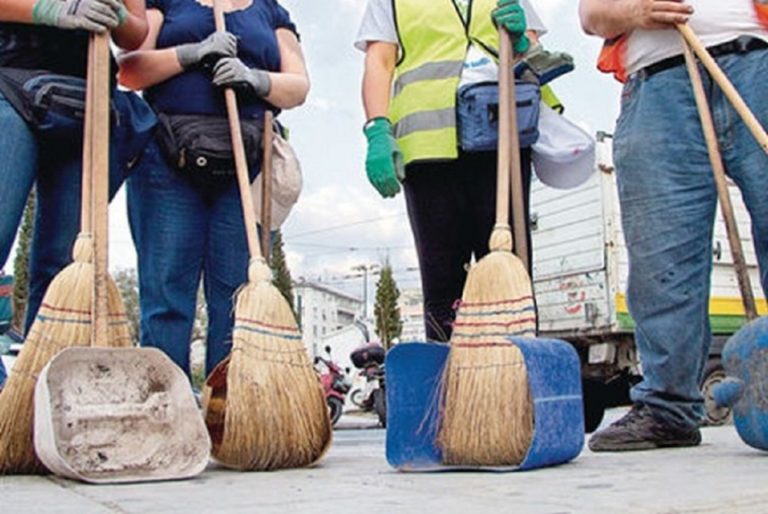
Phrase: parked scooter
x=335 y=384
x=369 y=359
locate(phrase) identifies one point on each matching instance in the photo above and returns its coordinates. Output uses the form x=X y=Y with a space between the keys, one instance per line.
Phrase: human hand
x=658 y=14
x=231 y=72
x=383 y=161
x=510 y=15
x=214 y=47
x=91 y=15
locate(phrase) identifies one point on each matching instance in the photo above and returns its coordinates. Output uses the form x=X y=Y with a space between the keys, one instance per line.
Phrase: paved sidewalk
x=721 y=475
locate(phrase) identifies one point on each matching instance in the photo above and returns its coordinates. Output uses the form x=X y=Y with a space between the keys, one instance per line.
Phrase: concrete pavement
x=721 y=475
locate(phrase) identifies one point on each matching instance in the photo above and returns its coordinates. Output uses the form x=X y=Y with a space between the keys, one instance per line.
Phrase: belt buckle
x=742 y=44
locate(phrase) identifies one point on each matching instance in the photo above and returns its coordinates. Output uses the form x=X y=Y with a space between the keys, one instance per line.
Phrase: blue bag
x=477 y=107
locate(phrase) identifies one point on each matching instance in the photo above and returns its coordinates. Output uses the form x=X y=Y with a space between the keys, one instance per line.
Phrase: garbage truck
x=580 y=278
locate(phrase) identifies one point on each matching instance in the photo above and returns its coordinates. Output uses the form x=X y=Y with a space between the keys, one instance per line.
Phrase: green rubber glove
x=510 y=15
x=384 y=161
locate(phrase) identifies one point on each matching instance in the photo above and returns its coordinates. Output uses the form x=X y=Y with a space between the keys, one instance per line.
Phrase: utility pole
x=365 y=268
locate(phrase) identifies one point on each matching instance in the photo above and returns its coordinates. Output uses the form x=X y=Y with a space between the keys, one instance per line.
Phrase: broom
x=718 y=170
x=275 y=414
x=486 y=417
x=64 y=318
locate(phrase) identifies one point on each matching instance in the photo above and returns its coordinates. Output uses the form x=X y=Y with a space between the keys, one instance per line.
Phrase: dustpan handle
x=726 y=206
x=266 y=186
x=241 y=164
x=99 y=142
x=725 y=84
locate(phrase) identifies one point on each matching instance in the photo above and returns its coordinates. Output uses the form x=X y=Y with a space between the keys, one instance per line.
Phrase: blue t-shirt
x=187 y=21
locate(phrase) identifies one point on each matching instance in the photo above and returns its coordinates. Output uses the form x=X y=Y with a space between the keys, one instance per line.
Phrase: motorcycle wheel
x=356 y=397
x=380 y=406
x=335 y=406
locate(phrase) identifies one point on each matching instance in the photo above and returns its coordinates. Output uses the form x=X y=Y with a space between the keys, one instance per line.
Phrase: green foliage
x=21 y=264
x=127 y=282
x=386 y=312
x=282 y=275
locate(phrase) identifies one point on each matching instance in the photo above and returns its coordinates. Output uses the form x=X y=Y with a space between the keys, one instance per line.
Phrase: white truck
x=580 y=278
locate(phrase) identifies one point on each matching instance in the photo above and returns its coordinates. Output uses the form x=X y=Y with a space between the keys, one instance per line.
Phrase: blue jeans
x=3 y=374
x=668 y=201
x=181 y=235
x=54 y=166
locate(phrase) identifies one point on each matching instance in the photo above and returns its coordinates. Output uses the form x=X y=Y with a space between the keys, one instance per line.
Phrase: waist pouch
x=50 y=103
x=200 y=147
x=477 y=113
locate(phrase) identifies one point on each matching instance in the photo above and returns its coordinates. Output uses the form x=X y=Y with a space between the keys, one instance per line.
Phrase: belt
x=740 y=45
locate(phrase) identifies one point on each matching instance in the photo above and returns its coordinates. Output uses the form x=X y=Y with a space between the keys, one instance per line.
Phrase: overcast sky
x=326 y=133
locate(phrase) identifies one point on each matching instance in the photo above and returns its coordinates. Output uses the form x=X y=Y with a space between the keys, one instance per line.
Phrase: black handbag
x=200 y=147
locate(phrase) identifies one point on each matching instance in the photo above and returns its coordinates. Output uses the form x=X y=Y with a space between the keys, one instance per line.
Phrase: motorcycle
x=336 y=385
x=369 y=359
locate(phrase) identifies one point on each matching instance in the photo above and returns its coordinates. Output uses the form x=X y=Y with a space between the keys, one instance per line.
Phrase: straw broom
x=487 y=415
x=64 y=318
x=274 y=412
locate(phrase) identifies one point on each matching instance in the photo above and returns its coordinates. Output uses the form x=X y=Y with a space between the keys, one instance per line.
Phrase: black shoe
x=639 y=430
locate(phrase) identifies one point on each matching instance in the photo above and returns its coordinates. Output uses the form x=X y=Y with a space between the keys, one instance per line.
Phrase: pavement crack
x=76 y=488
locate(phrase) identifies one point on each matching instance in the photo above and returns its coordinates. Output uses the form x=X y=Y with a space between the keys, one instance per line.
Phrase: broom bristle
x=63 y=321
x=275 y=414
x=487 y=414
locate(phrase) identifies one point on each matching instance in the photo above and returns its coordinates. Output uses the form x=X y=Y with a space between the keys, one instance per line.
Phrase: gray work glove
x=91 y=15
x=231 y=72
x=214 y=47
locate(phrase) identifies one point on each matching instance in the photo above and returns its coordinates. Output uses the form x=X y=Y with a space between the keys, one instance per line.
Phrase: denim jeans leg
x=746 y=162
x=168 y=220
x=226 y=269
x=668 y=204
x=18 y=167
x=57 y=215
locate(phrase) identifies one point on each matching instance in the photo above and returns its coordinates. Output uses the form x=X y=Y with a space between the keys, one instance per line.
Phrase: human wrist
x=259 y=82
x=376 y=126
x=46 y=12
x=188 y=54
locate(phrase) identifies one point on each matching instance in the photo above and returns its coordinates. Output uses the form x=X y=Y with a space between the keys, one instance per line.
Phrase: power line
x=345 y=225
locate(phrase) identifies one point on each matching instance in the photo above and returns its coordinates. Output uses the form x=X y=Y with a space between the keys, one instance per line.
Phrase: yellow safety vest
x=434 y=39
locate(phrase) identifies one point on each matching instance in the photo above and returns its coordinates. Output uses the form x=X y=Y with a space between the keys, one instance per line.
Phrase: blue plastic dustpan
x=745 y=359
x=413 y=378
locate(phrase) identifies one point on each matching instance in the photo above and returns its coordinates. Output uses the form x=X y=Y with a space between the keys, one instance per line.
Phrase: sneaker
x=639 y=430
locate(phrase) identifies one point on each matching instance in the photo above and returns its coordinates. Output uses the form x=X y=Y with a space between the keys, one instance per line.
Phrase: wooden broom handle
x=241 y=164
x=506 y=117
x=266 y=187
x=725 y=84
x=99 y=136
x=509 y=152
x=726 y=206
x=86 y=178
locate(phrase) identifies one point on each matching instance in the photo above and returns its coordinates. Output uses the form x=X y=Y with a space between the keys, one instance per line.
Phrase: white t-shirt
x=378 y=24
x=714 y=21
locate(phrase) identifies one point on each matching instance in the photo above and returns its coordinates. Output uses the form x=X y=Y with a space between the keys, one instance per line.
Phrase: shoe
x=640 y=430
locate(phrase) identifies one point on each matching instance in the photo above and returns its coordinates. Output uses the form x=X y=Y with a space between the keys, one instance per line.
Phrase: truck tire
x=594 y=398
x=713 y=375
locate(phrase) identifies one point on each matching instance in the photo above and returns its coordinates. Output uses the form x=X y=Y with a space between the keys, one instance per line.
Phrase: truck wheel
x=713 y=375
x=594 y=404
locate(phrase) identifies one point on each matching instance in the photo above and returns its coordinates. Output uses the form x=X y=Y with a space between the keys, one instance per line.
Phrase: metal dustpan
x=745 y=359
x=107 y=415
x=414 y=372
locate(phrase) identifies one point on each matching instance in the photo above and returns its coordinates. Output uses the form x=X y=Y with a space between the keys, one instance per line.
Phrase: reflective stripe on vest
x=433 y=40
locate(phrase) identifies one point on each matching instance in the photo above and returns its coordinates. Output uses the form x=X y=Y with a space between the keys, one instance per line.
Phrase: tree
x=387 y=313
x=21 y=264
x=128 y=283
x=282 y=275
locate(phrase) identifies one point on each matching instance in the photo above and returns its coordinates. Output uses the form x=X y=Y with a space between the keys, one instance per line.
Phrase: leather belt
x=740 y=45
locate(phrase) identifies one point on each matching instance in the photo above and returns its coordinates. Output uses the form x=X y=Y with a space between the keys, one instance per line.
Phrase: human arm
x=383 y=163
x=149 y=65
x=285 y=89
x=611 y=18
